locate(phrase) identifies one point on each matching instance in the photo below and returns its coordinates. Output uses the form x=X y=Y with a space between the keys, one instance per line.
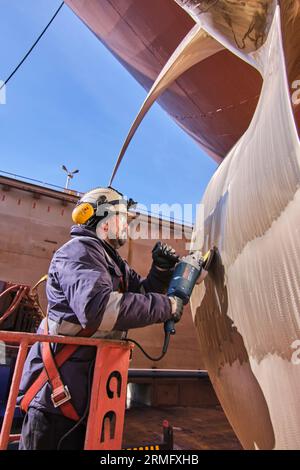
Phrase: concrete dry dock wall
x=163 y=387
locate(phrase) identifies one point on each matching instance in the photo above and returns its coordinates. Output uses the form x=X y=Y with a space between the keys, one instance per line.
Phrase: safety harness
x=60 y=395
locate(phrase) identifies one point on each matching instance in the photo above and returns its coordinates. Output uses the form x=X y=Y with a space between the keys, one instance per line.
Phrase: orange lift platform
x=105 y=422
x=108 y=392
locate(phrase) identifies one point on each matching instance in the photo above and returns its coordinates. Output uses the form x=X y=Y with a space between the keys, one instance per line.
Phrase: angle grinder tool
x=190 y=270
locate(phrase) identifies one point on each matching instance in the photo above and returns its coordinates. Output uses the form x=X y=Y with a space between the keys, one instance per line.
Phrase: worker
x=91 y=291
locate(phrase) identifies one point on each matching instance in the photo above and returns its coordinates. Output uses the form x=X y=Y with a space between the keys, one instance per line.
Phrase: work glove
x=177 y=308
x=164 y=256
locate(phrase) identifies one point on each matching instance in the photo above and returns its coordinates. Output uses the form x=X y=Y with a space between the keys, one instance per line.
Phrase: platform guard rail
x=108 y=393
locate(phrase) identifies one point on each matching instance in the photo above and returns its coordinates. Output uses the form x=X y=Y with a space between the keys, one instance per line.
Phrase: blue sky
x=72 y=103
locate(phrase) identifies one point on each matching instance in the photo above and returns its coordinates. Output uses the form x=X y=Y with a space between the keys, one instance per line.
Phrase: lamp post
x=70 y=175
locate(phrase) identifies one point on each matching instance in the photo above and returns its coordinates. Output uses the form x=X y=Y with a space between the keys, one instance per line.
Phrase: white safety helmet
x=98 y=203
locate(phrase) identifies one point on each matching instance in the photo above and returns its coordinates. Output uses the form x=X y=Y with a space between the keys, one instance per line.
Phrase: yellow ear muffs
x=82 y=213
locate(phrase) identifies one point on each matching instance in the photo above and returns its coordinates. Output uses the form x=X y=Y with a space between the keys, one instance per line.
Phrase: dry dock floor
x=202 y=428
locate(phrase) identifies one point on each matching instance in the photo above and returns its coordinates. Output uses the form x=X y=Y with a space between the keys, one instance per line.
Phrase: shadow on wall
x=225 y=356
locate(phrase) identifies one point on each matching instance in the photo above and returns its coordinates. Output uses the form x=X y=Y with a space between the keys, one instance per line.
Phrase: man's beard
x=117 y=242
x=111 y=238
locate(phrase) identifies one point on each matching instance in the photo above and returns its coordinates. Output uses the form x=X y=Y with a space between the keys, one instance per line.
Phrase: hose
x=22 y=291
x=164 y=348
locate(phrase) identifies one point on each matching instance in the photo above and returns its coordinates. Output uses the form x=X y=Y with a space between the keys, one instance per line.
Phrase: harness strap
x=60 y=394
